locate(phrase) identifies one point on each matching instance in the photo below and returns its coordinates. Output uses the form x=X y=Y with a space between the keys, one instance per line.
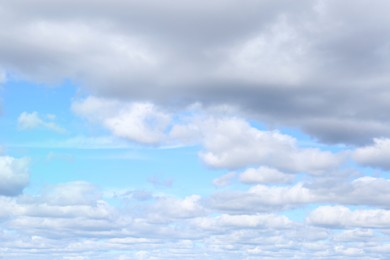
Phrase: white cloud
x=233 y=143
x=264 y=175
x=28 y=121
x=139 y=122
x=340 y=216
x=375 y=155
x=14 y=175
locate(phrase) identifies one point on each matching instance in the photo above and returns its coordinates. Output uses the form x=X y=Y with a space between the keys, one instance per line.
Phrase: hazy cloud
x=224 y=180
x=28 y=121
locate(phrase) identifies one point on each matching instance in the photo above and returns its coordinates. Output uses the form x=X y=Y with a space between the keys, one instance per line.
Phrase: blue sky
x=194 y=130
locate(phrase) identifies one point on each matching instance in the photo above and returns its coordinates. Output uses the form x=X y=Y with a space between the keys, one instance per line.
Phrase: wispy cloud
x=29 y=121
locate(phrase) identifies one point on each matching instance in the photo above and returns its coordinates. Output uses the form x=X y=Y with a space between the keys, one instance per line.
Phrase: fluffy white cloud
x=233 y=143
x=340 y=216
x=264 y=175
x=14 y=175
x=140 y=122
x=229 y=142
x=375 y=155
x=27 y=121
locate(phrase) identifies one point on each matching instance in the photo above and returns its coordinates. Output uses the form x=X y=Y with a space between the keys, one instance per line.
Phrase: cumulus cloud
x=228 y=141
x=14 y=174
x=233 y=143
x=140 y=122
x=28 y=121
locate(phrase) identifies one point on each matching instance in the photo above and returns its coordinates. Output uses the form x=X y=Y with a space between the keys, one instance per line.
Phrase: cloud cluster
x=228 y=141
x=76 y=217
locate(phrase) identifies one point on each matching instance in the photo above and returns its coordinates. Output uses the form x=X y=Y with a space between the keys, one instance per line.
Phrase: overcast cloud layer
x=282 y=107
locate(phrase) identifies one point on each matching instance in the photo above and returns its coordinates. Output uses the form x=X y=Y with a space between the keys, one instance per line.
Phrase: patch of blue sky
x=20 y=96
x=145 y=168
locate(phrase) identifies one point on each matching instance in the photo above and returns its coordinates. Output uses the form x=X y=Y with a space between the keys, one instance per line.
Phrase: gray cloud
x=320 y=66
x=374 y=155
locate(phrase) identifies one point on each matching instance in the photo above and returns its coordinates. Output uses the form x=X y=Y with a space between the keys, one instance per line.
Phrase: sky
x=170 y=129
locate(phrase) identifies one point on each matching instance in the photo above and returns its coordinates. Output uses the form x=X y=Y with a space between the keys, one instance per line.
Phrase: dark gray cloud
x=320 y=66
